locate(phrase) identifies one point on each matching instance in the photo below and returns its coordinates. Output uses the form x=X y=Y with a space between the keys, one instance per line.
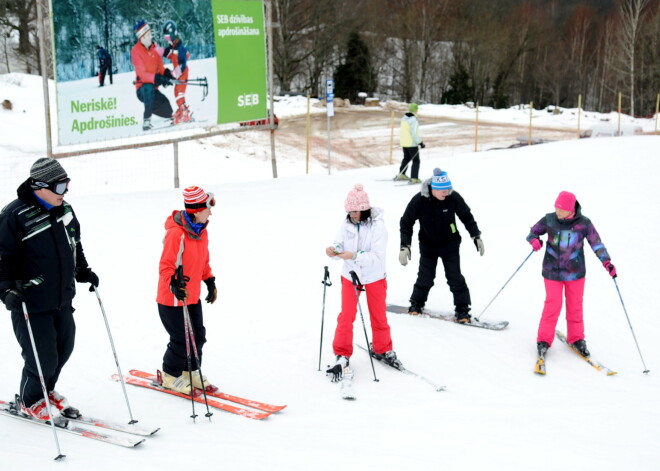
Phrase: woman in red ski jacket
x=186 y=245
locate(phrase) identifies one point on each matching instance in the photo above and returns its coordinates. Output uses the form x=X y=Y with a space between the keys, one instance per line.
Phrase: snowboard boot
x=197 y=384
x=542 y=348
x=174 y=383
x=416 y=308
x=62 y=404
x=581 y=347
x=146 y=124
x=462 y=313
x=337 y=369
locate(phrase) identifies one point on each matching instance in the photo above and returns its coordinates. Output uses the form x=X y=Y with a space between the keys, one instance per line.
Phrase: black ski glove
x=179 y=291
x=422 y=145
x=213 y=292
x=13 y=299
x=86 y=275
x=336 y=372
x=163 y=80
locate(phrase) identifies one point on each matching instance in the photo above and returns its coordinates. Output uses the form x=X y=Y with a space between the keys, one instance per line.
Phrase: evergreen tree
x=460 y=89
x=355 y=74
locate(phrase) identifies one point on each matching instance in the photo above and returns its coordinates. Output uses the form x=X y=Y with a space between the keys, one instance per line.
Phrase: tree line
x=492 y=52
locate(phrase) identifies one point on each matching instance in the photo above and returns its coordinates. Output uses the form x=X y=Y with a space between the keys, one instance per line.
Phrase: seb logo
x=248 y=100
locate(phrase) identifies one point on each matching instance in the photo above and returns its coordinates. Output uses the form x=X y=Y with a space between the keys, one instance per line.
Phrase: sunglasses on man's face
x=59 y=187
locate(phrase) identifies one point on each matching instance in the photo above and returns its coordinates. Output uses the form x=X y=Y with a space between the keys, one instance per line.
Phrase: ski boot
x=62 y=404
x=146 y=124
x=388 y=357
x=338 y=368
x=401 y=177
x=581 y=347
x=179 y=384
x=38 y=410
x=542 y=348
x=182 y=115
x=414 y=181
x=197 y=384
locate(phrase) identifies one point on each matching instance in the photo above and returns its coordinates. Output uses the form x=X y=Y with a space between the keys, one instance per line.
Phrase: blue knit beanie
x=440 y=180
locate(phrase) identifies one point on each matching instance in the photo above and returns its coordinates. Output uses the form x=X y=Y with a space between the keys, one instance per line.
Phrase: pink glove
x=536 y=244
x=159 y=50
x=611 y=269
x=176 y=73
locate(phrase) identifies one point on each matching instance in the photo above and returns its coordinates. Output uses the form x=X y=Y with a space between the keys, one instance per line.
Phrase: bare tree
x=631 y=12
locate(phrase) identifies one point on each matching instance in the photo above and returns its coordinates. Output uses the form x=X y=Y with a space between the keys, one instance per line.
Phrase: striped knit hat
x=47 y=170
x=140 y=28
x=195 y=199
x=440 y=180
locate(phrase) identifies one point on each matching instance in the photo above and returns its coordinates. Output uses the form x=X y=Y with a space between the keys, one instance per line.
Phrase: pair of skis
x=258 y=410
x=70 y=425
x=499 y=325
x=347 y=389
x=539 y=368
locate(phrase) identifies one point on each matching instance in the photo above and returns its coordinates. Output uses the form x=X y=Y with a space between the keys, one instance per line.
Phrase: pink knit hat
x=566 y=201
x=357 y=199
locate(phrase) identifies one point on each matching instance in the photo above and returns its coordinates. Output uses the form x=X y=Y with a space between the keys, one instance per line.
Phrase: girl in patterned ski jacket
x=564 y=269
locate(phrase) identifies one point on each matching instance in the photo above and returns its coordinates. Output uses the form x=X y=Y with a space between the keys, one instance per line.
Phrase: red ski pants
x=380 y=329
x=554 y=291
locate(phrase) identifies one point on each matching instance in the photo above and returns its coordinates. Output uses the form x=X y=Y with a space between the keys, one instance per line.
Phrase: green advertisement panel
x=241 y=59
x=126 y=69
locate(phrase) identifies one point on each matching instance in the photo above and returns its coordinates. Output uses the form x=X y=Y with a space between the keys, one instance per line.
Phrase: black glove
x=422 y=145
x=86 y=275
x=163 y=80
x=168 y=74
x=13 y=299
x=179 y=291
x=213 y=292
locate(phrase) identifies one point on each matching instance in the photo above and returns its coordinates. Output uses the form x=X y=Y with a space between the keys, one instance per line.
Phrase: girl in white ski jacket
x=361 y=242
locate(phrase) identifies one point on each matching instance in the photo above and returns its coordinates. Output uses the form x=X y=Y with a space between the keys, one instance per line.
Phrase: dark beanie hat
x=47 y=170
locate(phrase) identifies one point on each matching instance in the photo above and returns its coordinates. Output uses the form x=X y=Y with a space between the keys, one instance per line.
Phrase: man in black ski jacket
x=436 y=207
x=40 y=259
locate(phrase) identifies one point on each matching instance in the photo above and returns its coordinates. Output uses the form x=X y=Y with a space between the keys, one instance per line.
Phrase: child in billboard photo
x=105 y=65
x=179 y=55
x=150 y=73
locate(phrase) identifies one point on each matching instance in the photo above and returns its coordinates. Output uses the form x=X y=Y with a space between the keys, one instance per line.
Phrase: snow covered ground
x=267 y=240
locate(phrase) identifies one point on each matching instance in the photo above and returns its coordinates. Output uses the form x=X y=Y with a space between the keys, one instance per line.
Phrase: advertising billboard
x=126 y=69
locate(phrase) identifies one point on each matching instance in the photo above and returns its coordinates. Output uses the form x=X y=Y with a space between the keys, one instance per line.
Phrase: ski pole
x=326 y=282
x=41 y=379
x=357 y=286
x=191 y=335
x=502 y=288
x=181 y=282
x=114 y=353
x=646 y=370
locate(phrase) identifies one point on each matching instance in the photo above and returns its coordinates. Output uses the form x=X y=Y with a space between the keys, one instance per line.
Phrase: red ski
x=197 y=398
x=215 y=392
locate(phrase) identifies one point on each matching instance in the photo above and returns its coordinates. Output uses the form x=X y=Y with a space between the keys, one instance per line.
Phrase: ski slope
x=267 y=240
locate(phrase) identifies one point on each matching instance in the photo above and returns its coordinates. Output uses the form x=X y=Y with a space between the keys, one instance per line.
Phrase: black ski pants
x=410 y=153
x=54 y=335
x=154 y=101
x=175 y=358
x=451 y=261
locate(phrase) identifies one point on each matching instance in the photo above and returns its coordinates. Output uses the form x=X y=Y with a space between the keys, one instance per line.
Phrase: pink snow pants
x=380 y=329
x=553 y=300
